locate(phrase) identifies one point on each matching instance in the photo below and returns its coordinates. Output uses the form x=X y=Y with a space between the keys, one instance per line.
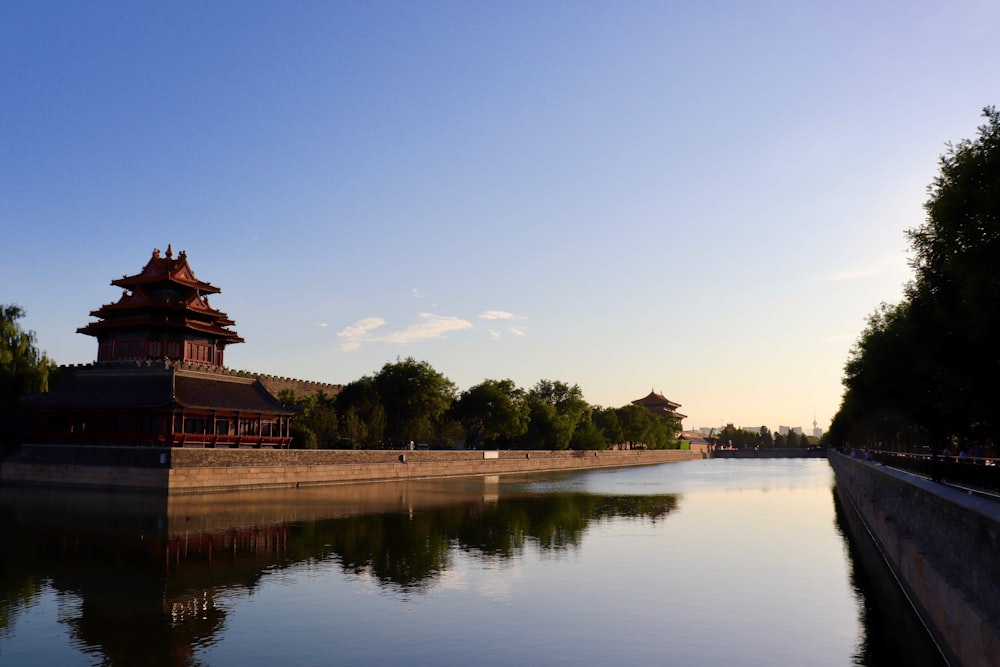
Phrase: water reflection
x=755 y=567
x=150 y=574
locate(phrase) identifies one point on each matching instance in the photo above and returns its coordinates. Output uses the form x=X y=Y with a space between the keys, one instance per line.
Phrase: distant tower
x=817 y=431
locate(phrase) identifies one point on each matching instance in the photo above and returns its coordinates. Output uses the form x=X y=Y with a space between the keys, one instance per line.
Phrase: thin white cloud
x=357 y=333
x=432 y=326
x=499 y=315
x=496 y=334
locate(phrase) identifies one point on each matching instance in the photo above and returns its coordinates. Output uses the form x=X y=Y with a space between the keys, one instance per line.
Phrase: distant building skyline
x=781 y=430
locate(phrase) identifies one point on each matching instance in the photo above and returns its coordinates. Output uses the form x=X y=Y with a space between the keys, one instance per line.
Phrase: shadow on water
x=893 y=633
x=151 y=573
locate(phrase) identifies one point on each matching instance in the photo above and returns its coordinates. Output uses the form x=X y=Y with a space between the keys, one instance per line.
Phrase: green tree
x=743 y=439
x=957 y=286
x=892 y=379
x=354 y=428
x=361 y=414
x=317 y=415
x=639 y=425
x=24 y=370
x=588 y=436
x=610 y=424
x=302 y=436
x=554 y=410
x=545 y=429
x=322 y=419
x=923 y=370
x=415 y=398
x=493 y=413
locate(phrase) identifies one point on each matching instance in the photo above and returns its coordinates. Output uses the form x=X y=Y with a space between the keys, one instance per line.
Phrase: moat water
x=713 y=562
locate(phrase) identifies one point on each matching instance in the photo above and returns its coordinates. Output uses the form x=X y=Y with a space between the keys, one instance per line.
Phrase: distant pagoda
x=163 y=314
x=660 y=405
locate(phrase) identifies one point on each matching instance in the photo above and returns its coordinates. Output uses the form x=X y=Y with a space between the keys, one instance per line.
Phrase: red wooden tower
x=159 y=378
x=163 y=314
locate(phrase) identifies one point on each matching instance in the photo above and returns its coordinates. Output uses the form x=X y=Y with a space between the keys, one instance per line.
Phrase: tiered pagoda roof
x=659 y=404
x=164 y=302
x=159 y=379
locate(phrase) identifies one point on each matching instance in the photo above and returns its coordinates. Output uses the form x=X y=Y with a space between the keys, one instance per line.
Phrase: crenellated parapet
x=302 y=388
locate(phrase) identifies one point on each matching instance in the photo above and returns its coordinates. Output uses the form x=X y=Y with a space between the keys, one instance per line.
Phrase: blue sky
x=706 y=199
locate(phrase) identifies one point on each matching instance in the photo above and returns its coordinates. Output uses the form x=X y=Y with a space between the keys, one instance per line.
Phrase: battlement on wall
x=302 y=388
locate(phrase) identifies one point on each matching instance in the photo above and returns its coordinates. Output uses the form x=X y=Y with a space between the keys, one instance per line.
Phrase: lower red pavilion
x=159 y=377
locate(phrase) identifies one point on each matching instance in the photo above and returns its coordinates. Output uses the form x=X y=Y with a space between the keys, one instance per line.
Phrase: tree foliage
x=362 y=414
x=923 y=371
x=24 y=369
x=493 y=413
x=555 y=409
x=415 y=397
x=408 y=401
x=608 y=421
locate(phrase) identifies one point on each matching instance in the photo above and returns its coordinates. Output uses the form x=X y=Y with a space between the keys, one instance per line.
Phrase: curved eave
x=144 y=324
x=219 y=332
x=656 y=400
x=194 y=306
x=132 y=282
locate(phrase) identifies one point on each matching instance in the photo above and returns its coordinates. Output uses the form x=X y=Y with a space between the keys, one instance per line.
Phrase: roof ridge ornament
x=170 y=251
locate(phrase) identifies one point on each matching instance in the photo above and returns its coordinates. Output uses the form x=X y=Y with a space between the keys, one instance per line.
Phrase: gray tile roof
x=99 y=387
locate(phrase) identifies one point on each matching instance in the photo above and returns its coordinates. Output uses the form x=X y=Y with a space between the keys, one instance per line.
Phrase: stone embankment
x=184 y=470
x=941 y=543
x=780 y=453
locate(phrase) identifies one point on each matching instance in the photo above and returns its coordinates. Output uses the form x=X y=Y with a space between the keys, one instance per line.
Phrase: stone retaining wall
x=181 y=470
x=779 y=453
x=942 y=545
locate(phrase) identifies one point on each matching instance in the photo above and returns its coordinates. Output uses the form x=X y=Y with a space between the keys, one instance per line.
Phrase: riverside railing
x=973 y=472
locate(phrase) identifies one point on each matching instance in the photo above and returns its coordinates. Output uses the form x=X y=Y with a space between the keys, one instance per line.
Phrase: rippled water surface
x=717 y=562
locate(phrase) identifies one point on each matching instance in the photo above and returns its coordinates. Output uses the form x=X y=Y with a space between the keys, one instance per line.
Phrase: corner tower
x=163 y=313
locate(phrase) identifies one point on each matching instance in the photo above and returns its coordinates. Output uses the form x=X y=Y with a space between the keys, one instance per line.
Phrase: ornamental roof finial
x=156 y=253
x=170 y=252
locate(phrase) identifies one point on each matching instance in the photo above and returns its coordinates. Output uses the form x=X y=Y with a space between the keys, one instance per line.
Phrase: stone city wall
x=942 y=545
x=181 y=470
